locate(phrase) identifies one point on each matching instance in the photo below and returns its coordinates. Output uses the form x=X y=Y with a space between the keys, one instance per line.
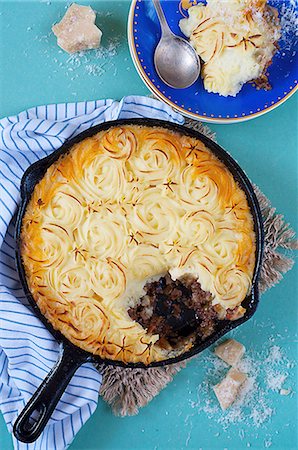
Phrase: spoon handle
x=165 y=29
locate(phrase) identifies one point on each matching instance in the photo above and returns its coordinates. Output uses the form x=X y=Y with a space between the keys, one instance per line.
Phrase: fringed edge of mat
x=127 y=390
x=278 y=235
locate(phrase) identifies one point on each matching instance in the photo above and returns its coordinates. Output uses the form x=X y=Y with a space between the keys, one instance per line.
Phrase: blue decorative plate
x=195 y=102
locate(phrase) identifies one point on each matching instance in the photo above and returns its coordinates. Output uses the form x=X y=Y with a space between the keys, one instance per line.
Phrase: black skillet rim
x=37 y=171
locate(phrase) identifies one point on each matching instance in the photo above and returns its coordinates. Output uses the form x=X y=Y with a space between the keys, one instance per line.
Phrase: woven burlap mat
x=127 y=390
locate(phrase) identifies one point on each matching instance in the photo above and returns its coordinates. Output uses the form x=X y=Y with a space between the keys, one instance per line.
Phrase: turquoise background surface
x=34 y=72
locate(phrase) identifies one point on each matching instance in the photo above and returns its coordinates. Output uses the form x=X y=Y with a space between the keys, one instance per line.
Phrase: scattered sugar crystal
x=94 y=62
x=275 y=380
x=289 y=23
x=275 y=355
x=289 y=19
x=261 y=413
x=93 y=69
x=285 y=391
x=241 y=434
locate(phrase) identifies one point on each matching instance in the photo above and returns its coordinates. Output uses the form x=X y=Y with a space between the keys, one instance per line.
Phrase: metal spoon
x=175 y=60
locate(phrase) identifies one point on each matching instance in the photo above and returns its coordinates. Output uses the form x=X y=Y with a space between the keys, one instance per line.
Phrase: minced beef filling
x=175 y=310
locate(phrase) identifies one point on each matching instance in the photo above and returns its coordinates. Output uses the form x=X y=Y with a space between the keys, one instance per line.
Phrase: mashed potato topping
x=236 y=39
x=124 y=207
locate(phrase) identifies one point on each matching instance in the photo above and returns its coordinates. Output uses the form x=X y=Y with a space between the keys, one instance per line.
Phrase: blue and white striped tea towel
x=27 y=350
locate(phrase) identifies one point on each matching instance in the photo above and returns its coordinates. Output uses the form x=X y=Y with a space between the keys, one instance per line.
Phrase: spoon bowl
x=176 y=62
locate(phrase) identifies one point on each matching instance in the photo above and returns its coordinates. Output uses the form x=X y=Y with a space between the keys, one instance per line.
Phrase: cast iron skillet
x=45 y=399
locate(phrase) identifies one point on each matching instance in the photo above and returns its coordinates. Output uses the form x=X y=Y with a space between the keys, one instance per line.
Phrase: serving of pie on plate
x=245 y=46
x=236 y=41
x=137 y=242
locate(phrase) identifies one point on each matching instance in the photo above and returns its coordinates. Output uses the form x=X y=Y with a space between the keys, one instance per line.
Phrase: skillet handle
x=42 y=404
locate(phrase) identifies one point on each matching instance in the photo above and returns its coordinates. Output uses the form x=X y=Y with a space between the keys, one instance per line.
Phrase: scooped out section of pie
x=137 y=242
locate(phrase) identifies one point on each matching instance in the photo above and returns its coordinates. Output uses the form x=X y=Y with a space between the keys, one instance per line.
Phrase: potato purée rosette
x=197 y=188
x=157 y=159
x=103 y=233
x=83 y=322
x=65 y=209
x=230 y=283
x=50 y=254
x=145 y=261
x=199 y=224
x=107 y=280
x=129 y=231
x=195 y=262
x=104 y=180
x=155 y=217
x=119 y=144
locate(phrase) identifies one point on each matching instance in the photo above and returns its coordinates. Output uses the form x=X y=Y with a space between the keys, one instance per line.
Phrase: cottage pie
x=137 y=242
x=236 y=40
